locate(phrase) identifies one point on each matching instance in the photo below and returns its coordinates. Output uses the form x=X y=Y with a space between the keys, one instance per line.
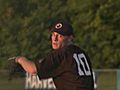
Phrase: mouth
x=55 y=43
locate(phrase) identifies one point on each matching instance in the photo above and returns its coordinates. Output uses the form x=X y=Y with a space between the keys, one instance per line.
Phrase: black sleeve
x=50 y=65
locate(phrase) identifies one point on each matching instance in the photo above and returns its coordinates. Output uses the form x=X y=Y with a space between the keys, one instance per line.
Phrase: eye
x=60 y=36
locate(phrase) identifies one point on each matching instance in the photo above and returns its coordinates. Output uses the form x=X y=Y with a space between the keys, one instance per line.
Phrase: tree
x=24 y=28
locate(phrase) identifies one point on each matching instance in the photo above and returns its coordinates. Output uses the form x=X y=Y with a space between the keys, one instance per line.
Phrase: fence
x=107 y=79
x=104 y=80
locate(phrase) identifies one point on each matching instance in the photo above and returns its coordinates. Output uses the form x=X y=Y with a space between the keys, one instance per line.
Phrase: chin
x=55 y=47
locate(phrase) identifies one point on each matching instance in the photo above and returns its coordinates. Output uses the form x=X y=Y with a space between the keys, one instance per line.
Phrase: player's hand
x=13 y=67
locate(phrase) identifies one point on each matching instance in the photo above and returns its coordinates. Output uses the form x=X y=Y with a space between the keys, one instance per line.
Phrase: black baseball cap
x=62 y=27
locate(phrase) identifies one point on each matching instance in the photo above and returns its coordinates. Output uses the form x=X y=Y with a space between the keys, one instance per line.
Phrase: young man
x=67 y=64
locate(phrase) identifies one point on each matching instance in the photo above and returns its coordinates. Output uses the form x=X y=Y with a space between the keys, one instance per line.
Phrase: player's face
x=57 y=40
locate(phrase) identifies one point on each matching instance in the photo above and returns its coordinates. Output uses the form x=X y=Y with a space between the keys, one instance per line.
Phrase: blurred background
x=24 y=30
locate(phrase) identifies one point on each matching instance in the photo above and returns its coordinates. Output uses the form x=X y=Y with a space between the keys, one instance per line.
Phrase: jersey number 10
x=83 y=66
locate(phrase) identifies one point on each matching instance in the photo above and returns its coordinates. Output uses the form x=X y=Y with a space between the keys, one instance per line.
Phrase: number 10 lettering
x=83 y=66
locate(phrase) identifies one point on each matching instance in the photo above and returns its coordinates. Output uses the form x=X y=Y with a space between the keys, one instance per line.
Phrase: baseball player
x=67 y=64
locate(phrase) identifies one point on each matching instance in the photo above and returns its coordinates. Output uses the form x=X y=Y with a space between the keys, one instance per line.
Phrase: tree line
x=24 y=28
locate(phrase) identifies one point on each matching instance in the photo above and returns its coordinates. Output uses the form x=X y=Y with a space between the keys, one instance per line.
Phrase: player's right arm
x=27 y=65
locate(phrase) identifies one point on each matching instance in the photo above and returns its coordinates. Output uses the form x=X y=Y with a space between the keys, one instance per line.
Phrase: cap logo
x=58 y=25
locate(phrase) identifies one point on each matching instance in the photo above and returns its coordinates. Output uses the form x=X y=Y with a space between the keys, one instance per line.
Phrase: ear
x=71 y=37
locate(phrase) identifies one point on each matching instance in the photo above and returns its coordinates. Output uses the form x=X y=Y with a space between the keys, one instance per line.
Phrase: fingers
x=12 y=58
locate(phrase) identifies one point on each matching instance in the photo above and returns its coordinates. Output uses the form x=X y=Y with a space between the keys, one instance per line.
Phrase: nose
x=56 y=38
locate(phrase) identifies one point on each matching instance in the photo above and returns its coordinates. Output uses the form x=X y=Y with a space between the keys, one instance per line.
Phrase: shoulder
x=76 y=49
x=73 y=48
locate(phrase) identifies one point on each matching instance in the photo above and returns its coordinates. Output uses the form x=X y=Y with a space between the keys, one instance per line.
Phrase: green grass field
x=107 y=81
x=14 y=84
